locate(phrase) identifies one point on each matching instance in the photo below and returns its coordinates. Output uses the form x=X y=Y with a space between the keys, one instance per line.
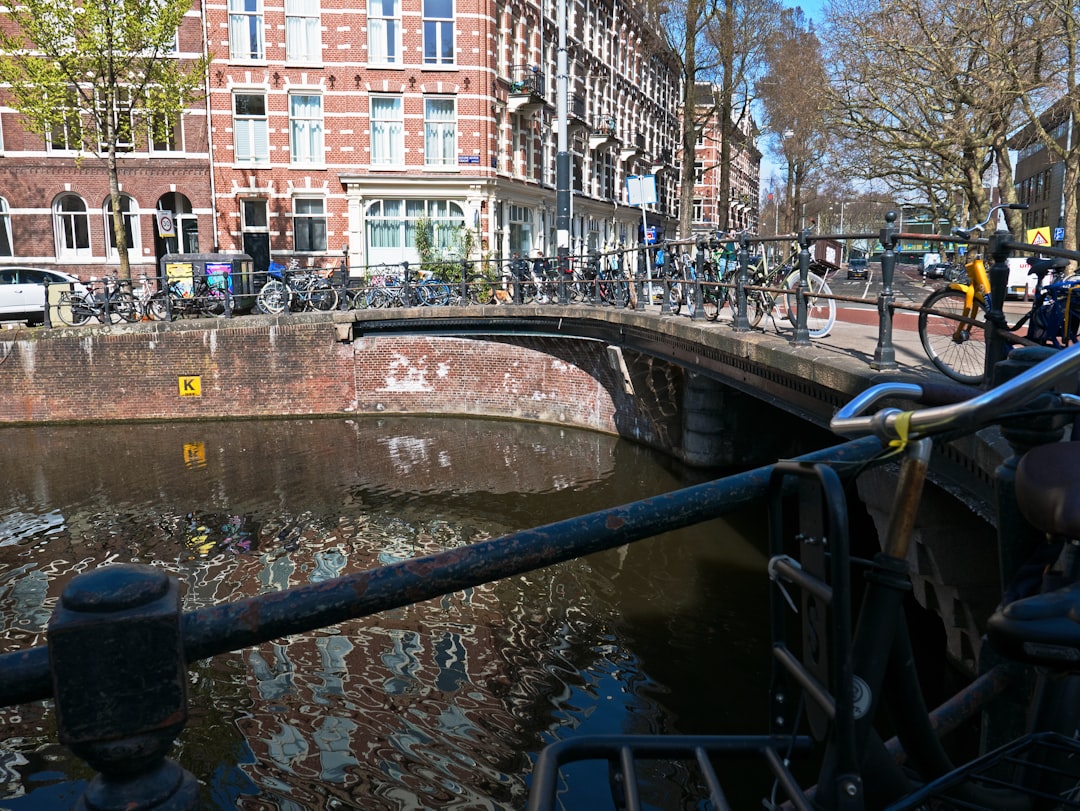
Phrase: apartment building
x=337 y=128
x=330 y=130
x=55 y=208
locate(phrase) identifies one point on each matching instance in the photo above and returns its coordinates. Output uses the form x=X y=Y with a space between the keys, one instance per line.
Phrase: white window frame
x=307 y=145
x=173 y=140
x=308 y=219
x=387 y=132
x=71 y=228
x=440 y=135
x=438 y=29
x=247 y=29
x=303 y=32
x=132 y=224
x=7 y=247
x=384 y=29
x=251 y=132
x=71 y=141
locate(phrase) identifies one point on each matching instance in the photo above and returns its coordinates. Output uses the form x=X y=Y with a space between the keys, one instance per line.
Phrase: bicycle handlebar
x=977 y=412
x=965 y=233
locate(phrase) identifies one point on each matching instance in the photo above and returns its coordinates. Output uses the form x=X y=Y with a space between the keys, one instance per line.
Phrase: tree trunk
x=124 y=272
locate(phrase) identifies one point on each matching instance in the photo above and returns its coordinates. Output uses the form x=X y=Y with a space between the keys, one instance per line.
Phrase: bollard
x=120 y=684
x=885 y=352
x=465 y=281
x=406 y=290
x=742 y=322
x=801 y=336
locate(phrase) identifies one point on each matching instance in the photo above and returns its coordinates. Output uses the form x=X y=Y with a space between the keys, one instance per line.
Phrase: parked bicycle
x=107 y=302
x=681 y=276
x=833 y=678
x=423 y=289
x=195 y=296
x=775 y=291
x=291 y=289
x=952 y=320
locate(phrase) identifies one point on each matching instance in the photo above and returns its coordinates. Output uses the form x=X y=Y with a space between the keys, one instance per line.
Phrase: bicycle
x=108 y=303
x=952 y=319
x=196 y=296
x=291 y=289
x=681 y=278
x=609 y=286
x=825 y=694
x=778 y=288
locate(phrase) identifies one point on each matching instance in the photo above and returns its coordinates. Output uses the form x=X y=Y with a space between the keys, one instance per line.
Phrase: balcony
x=527 y=89
x=604 y=133
x=576 y=121
x=630 y=151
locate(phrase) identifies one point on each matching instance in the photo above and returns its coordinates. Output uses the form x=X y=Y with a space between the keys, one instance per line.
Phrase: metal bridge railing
x=119 y=645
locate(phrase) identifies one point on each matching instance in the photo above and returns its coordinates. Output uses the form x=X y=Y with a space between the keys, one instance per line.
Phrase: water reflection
x=437 y=705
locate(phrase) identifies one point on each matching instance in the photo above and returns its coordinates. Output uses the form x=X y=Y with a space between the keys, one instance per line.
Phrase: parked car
x=22 y=291
x=941 y=270
x=858 y=269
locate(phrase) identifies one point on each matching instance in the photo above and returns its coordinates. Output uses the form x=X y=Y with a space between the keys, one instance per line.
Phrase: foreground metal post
x=116 y=655
x=885 y=352
x=699 y=270
x=802 y=334
x=997 y=347
x=741 y=322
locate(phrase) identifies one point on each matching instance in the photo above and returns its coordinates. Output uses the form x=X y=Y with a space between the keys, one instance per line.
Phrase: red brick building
x=331 y=130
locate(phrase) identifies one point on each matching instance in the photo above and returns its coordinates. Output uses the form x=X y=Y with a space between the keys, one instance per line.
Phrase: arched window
x=71 y=224
x=129 y=210
x=187 y=223
x=5 y=229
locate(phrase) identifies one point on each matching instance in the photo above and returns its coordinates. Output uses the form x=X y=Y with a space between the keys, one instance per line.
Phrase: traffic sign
x=166 y=225
x=1059 y=235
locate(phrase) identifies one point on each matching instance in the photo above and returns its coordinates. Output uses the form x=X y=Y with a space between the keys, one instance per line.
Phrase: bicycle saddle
x=1048 y=490
x=1044 y=629
x=1040 y=267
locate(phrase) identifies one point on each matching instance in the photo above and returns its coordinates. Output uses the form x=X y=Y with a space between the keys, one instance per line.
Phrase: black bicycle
x=834 y=673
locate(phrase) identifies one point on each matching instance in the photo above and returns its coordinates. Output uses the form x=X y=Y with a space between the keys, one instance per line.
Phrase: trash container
x=235 y=270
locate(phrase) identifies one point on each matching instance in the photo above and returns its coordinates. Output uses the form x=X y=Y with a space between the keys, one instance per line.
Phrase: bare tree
x=793 y=93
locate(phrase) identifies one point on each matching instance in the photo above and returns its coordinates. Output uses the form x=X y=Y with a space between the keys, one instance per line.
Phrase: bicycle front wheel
x=73 y=309
x=675 y=297
x=820 y=307
x=273 y=298
x=954 y=335
x=322 y=296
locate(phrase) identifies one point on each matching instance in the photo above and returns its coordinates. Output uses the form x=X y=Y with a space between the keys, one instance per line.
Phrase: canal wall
x=272 y=367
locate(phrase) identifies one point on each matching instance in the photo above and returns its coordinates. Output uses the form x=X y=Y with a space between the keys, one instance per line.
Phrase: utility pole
x=562 y=157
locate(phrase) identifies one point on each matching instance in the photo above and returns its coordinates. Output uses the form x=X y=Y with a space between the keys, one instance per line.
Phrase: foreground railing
x=119 y=645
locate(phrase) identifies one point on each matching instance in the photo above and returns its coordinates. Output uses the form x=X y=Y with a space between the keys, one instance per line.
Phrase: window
x=246 y=30
x=114 y=113
x=440 y=132
x=72 y=227
x=66 y=135
x=250 y=139
x=309 y=224
x=303 y=31
x=132 y=233
x=391 y=225
x=5 y=229
x=438 y=32
x=384 y=31
x=166 y=134
x=306 y=128
x=387 y=131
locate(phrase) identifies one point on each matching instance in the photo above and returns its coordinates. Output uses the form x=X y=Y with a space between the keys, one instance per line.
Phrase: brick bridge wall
x=304 y=368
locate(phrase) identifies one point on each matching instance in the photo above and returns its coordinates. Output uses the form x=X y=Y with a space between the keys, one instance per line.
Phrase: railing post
x=406 y=288
x=741 y=322
x=699 y=271
x=46 y=316
x=464 y=281
x=116 y=654
x=665 y=285
x=562 y=263
x=885 y=352
x=997 y=347
x=639 y=284
x=802 y=334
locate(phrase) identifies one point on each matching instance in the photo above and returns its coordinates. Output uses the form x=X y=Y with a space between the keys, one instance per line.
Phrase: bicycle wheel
x=216 y=303
x=322 y=296
x=820 y=310
x=158 y=306
x=479 y=290
x=274 y=298
x=73 y=309
x=122 y=307
x=433 y=293
x=955 y=346
x=675 y=297
x=758 y=303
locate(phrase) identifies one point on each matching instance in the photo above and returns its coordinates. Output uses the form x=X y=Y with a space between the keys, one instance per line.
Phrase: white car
x=22 y=291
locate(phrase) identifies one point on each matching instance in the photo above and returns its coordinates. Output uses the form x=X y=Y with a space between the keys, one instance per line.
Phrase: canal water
x=443 y=704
